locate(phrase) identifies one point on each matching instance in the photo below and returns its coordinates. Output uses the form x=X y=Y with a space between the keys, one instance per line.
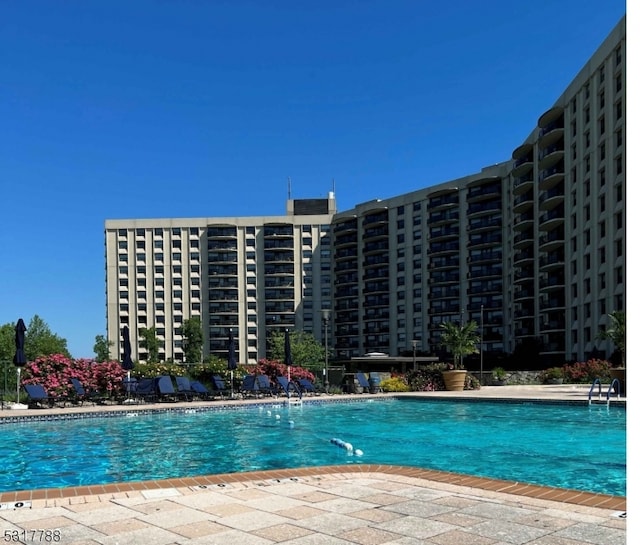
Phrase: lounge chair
x=363 y=381
x=288 y=387
x=265 y=387
x=166 y=390
x=307 y=386
x=219 y=386
x=184 y=388
x=201 y=391
x=81 y=394
x=145 y=389
x=250 y=386
x=38 y=396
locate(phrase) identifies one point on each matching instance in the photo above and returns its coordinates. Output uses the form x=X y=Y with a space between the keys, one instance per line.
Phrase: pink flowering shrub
x=274 y=369
x=55 y=372
x=586 y=372
x=108 y=377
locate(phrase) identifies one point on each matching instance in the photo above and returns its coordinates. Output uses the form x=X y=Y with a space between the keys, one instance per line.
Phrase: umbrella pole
x=129 y=400
x=231 y=383
x=18 y=386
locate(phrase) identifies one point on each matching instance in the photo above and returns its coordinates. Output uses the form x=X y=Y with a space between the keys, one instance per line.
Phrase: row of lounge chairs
x=163 y=388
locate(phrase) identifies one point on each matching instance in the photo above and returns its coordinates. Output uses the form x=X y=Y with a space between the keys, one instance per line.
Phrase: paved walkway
x=366 y=505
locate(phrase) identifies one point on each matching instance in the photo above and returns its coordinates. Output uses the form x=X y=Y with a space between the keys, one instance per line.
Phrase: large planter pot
x=621 y=374
x=454 y=379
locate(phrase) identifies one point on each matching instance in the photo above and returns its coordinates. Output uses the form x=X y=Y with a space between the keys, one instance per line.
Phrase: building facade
x=532 y=249
x=249 y=275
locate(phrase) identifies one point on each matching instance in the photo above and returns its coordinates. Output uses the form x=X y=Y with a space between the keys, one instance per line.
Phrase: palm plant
x=615 y=332
x=460 y=339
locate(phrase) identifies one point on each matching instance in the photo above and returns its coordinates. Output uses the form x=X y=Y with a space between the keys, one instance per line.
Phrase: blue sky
x=157 y=109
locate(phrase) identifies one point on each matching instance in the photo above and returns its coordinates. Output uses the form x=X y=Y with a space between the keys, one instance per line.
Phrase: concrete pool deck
x=361 y=504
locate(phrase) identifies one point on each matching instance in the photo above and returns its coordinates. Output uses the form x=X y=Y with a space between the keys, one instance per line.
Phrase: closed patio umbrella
x=19 y=359
x=288 y=360
x=231 y=357
x=127 y=362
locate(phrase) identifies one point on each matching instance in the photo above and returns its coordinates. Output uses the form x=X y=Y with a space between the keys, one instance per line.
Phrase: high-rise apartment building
x=532 y=249
x=251 y=275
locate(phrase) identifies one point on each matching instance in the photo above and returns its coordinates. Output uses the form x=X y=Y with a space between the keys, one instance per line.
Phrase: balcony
x=523 y=202
x=551 y=219
x=523 y=183
x=522 y=160
x=551 y=241
x=485 y=191
x=550 y=155
x=551 y=198
x=551 y=176
x=523 y=239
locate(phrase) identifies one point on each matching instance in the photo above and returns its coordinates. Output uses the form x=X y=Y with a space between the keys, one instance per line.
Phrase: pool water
x=567 y=446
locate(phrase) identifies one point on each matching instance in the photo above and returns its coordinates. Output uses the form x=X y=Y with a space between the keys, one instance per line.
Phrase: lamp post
x=481 y=340
x=415 y=345
x=325 y=321
x=461 y=322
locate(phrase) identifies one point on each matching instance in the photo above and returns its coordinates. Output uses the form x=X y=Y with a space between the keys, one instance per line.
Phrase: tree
x=40 y=341
x=192 y=339
x=616 y=332
x=460 y=340
x=305 y=350
x=151 y=343
x=7 y=342
x=102 y=348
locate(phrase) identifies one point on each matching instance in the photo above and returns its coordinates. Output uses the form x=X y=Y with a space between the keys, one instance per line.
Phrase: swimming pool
x=567 y=446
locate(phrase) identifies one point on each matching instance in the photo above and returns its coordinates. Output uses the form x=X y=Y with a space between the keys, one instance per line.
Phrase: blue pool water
x=565 y=446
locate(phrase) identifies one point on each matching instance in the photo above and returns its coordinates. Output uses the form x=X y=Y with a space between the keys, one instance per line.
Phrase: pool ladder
x=291 y=400
x=614 y=386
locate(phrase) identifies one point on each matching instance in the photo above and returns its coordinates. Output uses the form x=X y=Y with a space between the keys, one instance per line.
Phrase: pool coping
x=576 y=497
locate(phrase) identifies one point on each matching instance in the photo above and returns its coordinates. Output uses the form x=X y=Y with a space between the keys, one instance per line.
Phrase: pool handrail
x=614 y=385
